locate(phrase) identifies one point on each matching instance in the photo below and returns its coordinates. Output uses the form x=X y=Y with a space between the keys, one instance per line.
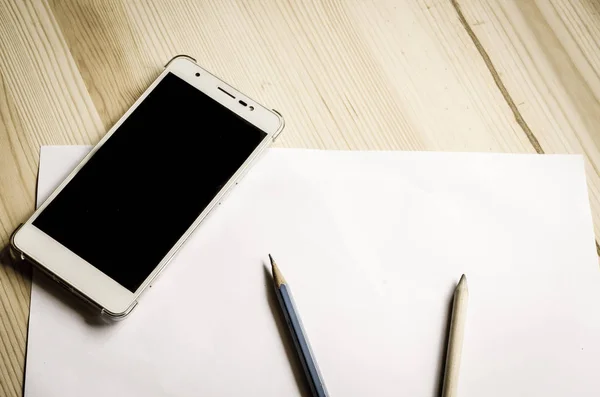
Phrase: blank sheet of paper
x=372 y=244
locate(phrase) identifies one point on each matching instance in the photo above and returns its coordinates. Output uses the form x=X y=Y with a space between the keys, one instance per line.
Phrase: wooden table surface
x=518 y=76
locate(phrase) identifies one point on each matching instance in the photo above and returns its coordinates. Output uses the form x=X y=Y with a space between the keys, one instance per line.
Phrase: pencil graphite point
x=277 y=276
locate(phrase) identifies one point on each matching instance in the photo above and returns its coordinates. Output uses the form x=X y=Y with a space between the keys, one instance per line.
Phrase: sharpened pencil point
x=277 y=276
x=462 y=284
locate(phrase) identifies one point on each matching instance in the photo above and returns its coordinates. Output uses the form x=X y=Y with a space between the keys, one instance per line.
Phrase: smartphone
x=110 y=228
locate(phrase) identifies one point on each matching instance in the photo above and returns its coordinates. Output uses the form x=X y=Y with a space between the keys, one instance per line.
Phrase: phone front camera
x=197 y=74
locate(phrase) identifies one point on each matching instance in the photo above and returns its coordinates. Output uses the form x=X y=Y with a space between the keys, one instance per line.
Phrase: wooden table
x=517 y=76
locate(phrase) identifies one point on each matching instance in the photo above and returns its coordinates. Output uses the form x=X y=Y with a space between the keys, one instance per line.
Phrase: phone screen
x=146 y=185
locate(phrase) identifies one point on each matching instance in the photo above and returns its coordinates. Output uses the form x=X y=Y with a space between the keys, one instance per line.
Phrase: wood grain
x=548 y=56
x=346 y=75
x=470 y=75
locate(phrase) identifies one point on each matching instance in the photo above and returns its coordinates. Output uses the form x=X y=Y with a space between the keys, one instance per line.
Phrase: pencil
x=455 y=339
x=307 y=358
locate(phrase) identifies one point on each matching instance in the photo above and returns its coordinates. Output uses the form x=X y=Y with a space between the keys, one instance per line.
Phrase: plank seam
x=498 y=80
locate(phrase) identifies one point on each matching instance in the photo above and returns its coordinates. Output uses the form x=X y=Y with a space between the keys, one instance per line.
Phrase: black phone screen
x=146 y=185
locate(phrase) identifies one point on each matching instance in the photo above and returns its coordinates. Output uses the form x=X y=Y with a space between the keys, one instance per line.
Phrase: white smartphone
x=109 y=229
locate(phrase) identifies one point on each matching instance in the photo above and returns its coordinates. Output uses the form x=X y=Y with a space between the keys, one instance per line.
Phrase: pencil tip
x=462 y=283
x=277 y=276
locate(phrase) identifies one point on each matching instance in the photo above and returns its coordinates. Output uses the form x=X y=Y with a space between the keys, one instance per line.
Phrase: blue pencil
x=307 y=358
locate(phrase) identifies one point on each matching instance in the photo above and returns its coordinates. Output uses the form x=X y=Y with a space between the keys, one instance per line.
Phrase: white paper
x=372 y=245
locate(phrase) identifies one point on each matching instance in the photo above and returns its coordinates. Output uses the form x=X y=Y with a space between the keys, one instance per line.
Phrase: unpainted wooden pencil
x=455 y=339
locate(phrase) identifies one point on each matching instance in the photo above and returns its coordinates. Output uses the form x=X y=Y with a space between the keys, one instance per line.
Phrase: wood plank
x=346 y=75
x=548 y=56
x=42 y=101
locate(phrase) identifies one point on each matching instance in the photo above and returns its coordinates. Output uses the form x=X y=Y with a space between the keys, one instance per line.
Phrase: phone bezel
x=82 y=277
